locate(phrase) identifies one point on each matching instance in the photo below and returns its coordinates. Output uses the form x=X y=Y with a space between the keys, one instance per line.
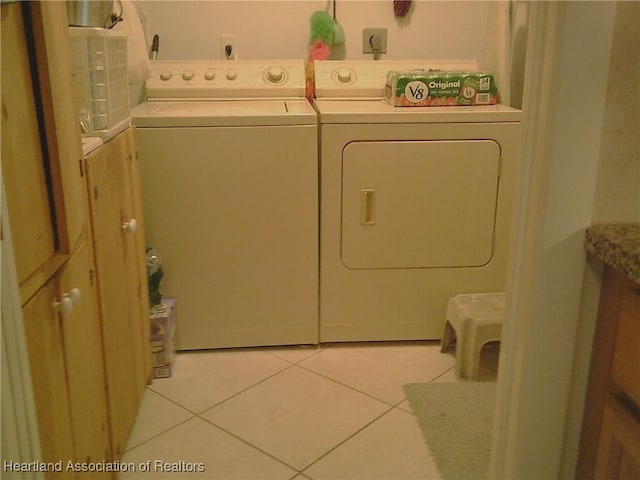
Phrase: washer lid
x=212 y=113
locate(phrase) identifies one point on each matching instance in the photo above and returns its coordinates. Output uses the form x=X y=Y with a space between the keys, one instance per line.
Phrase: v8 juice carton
x=435 y=88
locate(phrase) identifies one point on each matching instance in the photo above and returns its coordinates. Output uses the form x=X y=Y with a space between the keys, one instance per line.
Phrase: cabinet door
x=84 y=362
x=41 y=149
x=618 y=453
x=52 y=48
x=625 y=366
x=65 y=354
x=46 y=356
x=117 y=252
x=23 y=159
x=140 y=260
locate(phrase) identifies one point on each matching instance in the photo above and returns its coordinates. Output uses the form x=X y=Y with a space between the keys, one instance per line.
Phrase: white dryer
x=228 y=153
x=415 y=203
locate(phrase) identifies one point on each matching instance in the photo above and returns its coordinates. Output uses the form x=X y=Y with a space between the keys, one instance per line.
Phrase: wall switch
x=228 y=46
x=374 y=40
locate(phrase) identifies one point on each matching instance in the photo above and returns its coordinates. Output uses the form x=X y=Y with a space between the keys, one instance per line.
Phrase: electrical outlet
x=374 y=40
x=228 y=46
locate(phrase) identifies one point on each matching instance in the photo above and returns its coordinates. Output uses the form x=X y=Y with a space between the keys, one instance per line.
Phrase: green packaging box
x=437 y=88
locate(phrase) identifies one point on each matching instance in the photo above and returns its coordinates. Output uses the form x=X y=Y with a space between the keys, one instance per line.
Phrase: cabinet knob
x=67 y=302
x=64 y=306
x=75 y=295
x=131 y=226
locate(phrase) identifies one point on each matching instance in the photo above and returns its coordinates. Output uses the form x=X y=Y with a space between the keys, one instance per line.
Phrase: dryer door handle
x=368 y=207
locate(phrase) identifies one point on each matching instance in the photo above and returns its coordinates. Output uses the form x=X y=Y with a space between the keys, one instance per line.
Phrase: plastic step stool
x=473 y=319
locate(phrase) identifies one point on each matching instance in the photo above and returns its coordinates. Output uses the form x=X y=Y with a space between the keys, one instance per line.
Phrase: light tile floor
x=329 y=412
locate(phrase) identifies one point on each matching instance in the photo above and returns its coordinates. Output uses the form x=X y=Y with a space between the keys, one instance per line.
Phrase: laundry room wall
x=272 y=29
x=617 y=197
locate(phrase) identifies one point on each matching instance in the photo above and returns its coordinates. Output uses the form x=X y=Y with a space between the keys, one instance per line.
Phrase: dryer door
x=419 y=204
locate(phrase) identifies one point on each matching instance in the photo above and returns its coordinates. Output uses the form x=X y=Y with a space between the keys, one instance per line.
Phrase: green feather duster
x=322 y=26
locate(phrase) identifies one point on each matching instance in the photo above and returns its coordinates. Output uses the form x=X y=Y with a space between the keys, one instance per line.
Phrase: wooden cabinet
x=47 y=204
x=82 y=278
x=118 y=237
x=610 y=438
x=65 y=352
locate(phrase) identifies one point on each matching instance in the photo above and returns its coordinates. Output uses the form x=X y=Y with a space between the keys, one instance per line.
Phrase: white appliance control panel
x=366 y=78
x=210 y=79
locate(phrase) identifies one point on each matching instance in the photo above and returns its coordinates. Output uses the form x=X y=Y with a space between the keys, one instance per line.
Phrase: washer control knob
x=164 y=76
x=209 y=74
x=344 y=75
x=187 y=75
x=231 y=74
x=275 y=75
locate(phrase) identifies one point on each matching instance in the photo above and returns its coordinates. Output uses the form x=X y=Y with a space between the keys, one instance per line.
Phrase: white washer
x=228 y=154
x=415 y=203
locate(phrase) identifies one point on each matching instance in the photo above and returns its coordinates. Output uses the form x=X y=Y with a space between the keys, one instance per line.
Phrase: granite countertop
x=616 y=244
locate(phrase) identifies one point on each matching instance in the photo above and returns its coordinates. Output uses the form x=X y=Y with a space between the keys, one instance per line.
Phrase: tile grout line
x=365 y=393
x=379 y=417
x=161 y=433
x=442 y=374
x=245 y=389
x=246 y=442
x=195 y=414
x=317 y=351
x=263 y=350
x=172 y=401
x=347 y=439
x=344 y=385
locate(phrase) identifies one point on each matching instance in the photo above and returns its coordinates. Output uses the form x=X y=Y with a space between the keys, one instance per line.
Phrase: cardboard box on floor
x=163 y=345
